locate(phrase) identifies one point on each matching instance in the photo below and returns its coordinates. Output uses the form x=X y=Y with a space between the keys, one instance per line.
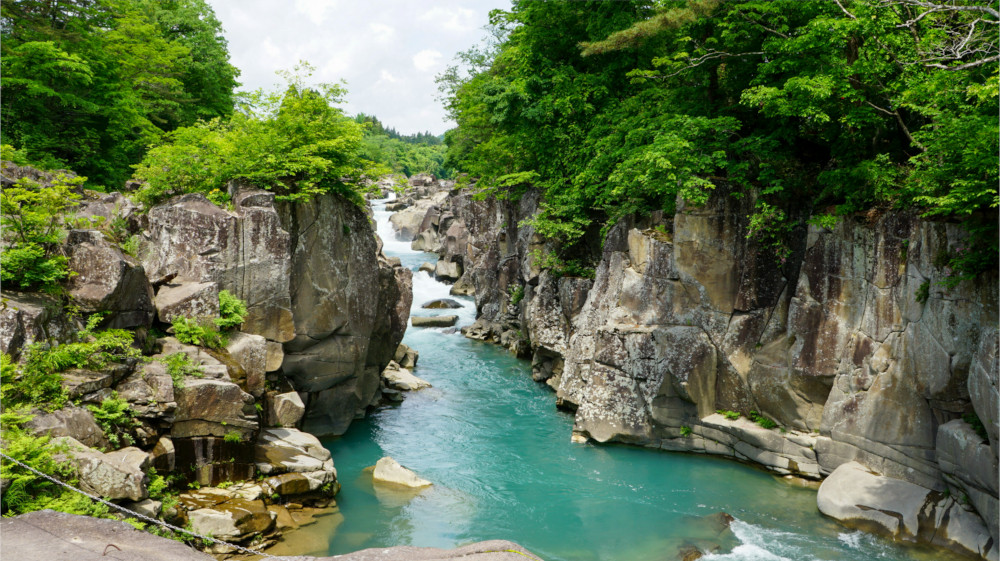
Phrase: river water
x=503 y=467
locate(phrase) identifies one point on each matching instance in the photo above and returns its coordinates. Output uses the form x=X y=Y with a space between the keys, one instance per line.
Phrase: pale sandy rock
x=290 y=450
x=859 y=498
x=402 y=379
x=388 y=470
x=286 y=410
x=435 y=321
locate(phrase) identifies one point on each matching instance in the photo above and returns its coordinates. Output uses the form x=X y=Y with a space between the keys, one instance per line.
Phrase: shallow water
x=503 y=466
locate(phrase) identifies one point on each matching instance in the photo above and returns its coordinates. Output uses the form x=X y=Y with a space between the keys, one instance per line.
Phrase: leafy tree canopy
x=88 y=84
x=813 y=106
x=295 y=142
x=406 y=154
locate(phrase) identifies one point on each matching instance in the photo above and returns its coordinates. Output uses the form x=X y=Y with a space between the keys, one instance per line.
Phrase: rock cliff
x=850 y=350
x=331 y=308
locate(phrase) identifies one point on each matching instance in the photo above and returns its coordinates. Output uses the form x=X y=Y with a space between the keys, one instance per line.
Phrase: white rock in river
x=388 y=470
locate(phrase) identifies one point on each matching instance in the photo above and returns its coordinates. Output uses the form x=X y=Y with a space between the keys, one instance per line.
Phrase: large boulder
x=149 y=391
x=250 y=351
x=71 y=421
x=282 y=450
x=225 y=515
x=245 y=252
x=27 y=318
x=402 y=379
x=213 y=408
x=107 y=280
x=856 y=497
x=117 y=475
x=46 y=535
x=285 y=410
x=192 y=300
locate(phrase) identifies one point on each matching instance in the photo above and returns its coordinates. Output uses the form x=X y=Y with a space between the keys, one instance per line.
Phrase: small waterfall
x=425 y=286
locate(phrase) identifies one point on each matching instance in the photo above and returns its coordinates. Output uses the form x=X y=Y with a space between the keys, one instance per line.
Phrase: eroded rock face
x=107 y=280
x=330 y=308
x=26 y=318
x=74 y=422
x=850 y=343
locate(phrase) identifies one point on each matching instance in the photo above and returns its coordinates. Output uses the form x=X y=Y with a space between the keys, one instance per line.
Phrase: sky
x=388 y=51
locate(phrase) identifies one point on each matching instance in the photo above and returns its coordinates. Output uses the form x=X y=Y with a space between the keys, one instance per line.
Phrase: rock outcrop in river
x=852 y=346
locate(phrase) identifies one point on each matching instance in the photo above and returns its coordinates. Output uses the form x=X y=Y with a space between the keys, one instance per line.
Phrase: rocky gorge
x=850 y=362
x=325 y=316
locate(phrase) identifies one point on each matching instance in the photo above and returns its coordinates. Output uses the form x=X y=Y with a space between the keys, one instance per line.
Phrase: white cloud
x=452 y=19
x=316 y=10
x=388 y=51
x=381 y=31
x=427 y=59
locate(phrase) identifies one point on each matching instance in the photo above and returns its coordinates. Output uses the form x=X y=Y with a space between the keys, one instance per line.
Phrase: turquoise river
x=503 y=467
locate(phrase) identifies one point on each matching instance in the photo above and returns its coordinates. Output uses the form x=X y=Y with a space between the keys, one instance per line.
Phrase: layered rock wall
x=851 y=344
x=331 y=308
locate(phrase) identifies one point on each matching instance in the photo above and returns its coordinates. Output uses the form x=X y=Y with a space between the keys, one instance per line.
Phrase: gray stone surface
x=48 y=536
x=114 y=475
x=191 y=300
x=250 y=351
x=107 y=280
x=75 y=422
x=26 y=318
x=213 y=408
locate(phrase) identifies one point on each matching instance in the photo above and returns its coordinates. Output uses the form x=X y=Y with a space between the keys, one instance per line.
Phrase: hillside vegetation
x=818 y=108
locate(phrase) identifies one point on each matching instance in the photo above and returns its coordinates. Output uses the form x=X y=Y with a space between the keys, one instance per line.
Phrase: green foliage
x=31 y=215
x=923 y=292
x=516 y=294
x=36 y=381
x=233 y=437
x=685 y=431
x=27 y=492
x=200 y=333
x=617 y=108
x=116 y=419
x=977 y=425
x=179 y=365
x=88 y=85
x=232 y=311
x=763 y=421
x=294 y=142
x=731 y=415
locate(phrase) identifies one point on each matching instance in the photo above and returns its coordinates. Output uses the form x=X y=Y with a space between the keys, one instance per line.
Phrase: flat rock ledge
x=859 y=498
x=433 y=321
x=48 y=535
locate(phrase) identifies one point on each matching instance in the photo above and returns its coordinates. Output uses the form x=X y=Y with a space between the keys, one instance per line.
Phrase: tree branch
x=973 y=64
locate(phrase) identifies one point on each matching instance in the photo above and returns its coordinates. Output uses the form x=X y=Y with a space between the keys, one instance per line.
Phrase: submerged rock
x=435 y=321
x=388 y=470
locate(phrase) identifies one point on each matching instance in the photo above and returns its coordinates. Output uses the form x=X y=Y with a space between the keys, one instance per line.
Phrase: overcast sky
x=388 y=50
